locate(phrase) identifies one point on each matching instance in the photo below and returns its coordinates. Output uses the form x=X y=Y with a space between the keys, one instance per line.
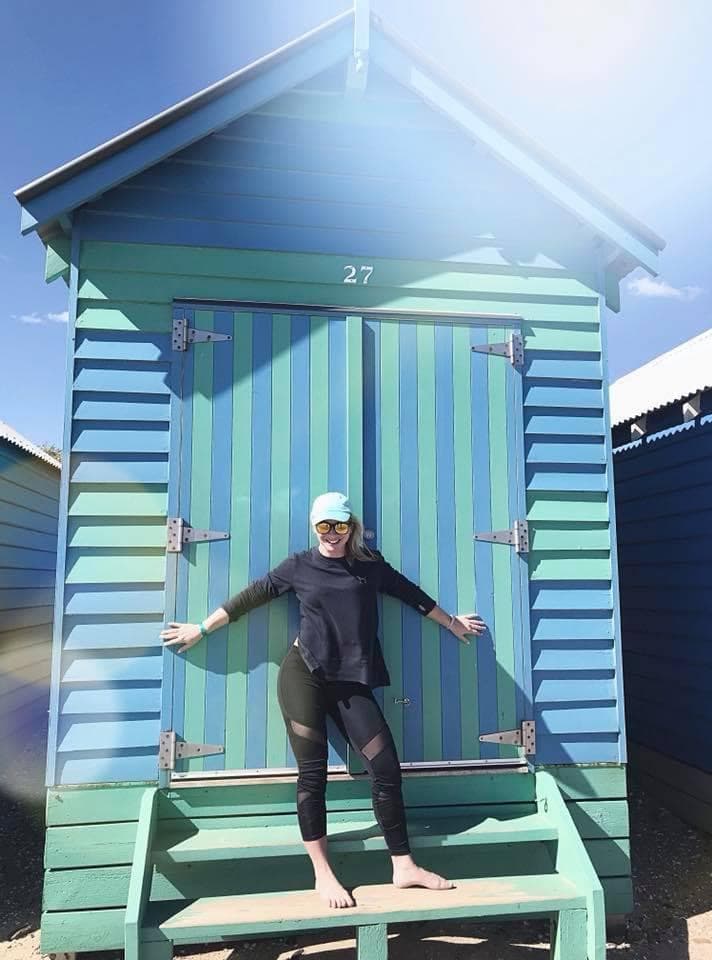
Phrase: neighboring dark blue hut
x=662 y=435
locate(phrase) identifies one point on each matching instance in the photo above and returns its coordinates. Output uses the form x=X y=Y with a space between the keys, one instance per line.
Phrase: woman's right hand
x=186 y=634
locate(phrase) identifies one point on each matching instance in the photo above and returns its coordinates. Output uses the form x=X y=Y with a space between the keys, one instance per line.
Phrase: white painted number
x=354 y=274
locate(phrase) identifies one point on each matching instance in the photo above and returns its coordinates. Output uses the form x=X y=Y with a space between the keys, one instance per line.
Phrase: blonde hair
x=356 y=549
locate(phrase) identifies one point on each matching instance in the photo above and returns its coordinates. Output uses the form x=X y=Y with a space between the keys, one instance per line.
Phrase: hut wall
x=354 y=182
x=662 y=487
x=29 y=495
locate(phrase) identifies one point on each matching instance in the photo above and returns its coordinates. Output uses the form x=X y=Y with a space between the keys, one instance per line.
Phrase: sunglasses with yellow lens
x=326 y=526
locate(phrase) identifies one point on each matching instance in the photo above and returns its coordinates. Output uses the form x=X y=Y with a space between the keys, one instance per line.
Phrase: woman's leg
x=357 y=712
x=303 y=706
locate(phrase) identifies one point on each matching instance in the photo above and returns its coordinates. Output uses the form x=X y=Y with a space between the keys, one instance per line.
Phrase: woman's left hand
x=465 y=624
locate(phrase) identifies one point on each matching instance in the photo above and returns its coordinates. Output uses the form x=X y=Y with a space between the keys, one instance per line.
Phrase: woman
x=332 y=668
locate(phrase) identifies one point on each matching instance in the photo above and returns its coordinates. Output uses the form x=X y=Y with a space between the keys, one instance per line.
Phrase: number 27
x=351 y=274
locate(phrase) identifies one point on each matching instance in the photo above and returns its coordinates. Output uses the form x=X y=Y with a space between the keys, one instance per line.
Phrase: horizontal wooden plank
x=144 y=348
x=88 y=669
x=87 y=600
x=93 y=804
x=563 y=423
x=88 y=565
x=567 y=507
x=577 y=657
x=550 y=689
x=121 y=408
x=557 y=537
x=147 y=318
x=584 y=337
x=588 y=783
x=27 y=558
x=560 y=596
x=563 y=366
x=100 y=261
x=107 y=736
x=24 y=598
x=112 y=632
x=11 y=536
x=564 y=452
x=117 y=503
x=34 y=671
x=121 y=376
x=87 y=532
x=30 y=475
x=618 y=895
x=25 y=578
x=581 y=625
x=578 y=719
x=589 y=479
x=566 y=748
x=117 y=469
x=32 y=617
x=554 y=394
x=573 y=565
x=78 y=768
x=27 y=518
x=159 y=288
x=92 y=438
x=115 y=701
x=17 y=495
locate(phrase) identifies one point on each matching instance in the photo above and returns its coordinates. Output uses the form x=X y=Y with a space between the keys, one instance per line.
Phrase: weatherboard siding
x=317 y=172
x=29 y=494
x=664 y=516
x=115 y=591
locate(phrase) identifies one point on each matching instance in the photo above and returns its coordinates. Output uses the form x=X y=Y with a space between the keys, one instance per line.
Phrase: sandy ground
x=672 y=919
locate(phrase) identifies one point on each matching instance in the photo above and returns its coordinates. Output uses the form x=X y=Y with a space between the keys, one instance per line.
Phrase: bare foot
x=409 y=874
x=331 y=892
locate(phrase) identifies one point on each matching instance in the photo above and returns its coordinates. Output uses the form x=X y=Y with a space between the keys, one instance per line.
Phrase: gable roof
x=51 y=198
x=8 y=434
x=670 y=378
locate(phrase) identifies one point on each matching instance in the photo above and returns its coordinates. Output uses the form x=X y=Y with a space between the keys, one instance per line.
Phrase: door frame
x=517 y=487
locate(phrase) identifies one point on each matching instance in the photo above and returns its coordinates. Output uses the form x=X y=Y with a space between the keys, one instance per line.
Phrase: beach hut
x=662 y=435
x=29 y=501
x=334 y=269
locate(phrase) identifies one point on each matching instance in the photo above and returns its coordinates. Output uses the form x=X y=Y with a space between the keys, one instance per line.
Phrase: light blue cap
x=330 y=506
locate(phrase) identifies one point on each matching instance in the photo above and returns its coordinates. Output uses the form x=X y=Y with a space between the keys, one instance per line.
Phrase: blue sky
x=616 y=88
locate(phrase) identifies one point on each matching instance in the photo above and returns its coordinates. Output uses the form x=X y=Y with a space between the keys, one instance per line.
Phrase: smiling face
x=331 y=542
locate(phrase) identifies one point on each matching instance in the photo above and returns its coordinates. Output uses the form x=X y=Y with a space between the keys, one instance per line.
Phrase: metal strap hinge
x=524 y=737
x=180 y=532
x=170 y=749
x=183 y=335
x=517 y=537
x=512 y=349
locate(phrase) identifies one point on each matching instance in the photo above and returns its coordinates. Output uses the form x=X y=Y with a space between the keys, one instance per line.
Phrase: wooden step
x=346 y=837
x=214 y=918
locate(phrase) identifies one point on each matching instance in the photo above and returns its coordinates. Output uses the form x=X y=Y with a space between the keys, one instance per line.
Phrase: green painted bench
x=568 y=892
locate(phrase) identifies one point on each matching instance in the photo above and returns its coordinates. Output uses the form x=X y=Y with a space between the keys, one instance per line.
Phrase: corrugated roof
x=681 y=372
x=15 y=438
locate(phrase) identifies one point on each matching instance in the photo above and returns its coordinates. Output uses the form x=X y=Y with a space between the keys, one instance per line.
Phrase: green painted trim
x=568 y=935
x=372 y=942
x=278 y=638
x=142 y=317
x=573 y=539
x=196 y=555
x=106 y=258
x=464 y=530
x=354 y=412
x=502 y=517
x=573 y=565
x=428 y=533
x=113 y=535
x=572 y=861
x=118 y=503
x=236 y=692
x=390 y=523
x=574 y=507
x=141 y=871
x=58 y=255
x=87 y=567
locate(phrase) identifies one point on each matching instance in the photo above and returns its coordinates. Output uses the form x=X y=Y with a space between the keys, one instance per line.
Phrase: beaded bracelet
x=452 y=620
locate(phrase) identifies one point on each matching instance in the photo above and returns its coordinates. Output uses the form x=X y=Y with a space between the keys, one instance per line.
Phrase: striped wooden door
x=424 y=436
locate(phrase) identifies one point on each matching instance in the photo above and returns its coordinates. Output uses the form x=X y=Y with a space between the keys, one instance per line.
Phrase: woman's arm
x=461 y=625
x=274 y=584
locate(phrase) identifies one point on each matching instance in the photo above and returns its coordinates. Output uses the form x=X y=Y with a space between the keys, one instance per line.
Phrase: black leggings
x=305 y=699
